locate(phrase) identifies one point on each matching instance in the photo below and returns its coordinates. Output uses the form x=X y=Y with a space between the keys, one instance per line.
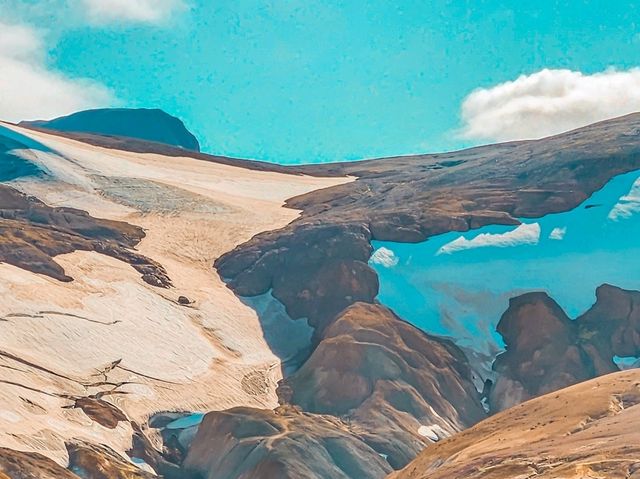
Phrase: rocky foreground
x=115 y=324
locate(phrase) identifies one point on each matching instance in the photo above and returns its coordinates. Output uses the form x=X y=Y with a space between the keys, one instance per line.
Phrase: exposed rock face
x=391 y=381
x=542 y=353
x=144 y=124
x=587 y=430
x=24 y=465
x=91 y=461
x=102 y=412
x=547 y=351
x=612 y=326
x=412 y=198
x=32 y=234
x=245 y=443
x=315 y=271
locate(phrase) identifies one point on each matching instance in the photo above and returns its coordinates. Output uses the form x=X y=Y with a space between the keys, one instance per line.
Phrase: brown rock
x=30 y=465
x=246 y=443
x=32 y=234
x=542 y=351
x=388 y=379
x=91 y=461
x=100 y=411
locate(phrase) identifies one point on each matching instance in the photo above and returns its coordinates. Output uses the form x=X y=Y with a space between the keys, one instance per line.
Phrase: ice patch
x=558 y=233
x=384 y=257
x=628 y=362
x=525 y=234
x=627 y=205
x=187 y=421
x=433 y=432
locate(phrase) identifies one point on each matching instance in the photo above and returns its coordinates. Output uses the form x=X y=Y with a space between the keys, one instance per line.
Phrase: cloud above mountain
x=30 y=89
x=145 y=11
x=549 y=102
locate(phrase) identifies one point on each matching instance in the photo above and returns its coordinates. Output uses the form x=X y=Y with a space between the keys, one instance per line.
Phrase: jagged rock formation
x=587 y=430
x=547 y=351
x=245 y=443
x=144 y=124
x=402 y=389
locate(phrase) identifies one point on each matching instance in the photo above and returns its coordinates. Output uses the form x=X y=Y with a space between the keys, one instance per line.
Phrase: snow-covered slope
x=108 y=334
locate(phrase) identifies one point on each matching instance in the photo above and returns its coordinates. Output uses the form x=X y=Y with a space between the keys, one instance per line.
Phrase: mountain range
x=165 y=312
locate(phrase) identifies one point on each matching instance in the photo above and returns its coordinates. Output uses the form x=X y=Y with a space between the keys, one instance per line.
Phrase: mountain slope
x=587 y=430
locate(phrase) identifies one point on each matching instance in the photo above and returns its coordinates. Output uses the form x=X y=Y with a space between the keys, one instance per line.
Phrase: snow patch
x=433 y=432
x=525 y=234
x=628 y=204
x=385 y=257
x=558 y=233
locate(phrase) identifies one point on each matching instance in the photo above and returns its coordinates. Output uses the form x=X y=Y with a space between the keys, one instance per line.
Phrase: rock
x=542 y=353
x=547 y=351
x=285 y=444
x=100 y=411
x=32 y=234
x=30 y=465
x=315 y=271
x=144 y=124
x=612 y=326
x=91 y=461
x=183 y=300
x=388 y=379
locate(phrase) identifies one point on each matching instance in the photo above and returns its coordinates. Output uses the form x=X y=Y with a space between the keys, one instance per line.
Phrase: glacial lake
x=458 y=285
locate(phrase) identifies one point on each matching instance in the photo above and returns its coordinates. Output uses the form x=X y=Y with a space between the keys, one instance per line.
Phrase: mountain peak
x=141 y=123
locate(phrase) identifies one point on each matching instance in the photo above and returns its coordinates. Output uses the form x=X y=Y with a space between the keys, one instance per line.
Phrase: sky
x=305 y=81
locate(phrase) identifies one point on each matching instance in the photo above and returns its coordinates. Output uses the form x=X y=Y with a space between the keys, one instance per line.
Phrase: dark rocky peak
x=144 y=124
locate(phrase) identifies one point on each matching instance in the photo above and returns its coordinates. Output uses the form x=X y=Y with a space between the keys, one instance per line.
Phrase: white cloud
x=549 y=102
x=627 y=205
x=29 y=89
x=522 y=235
x=558 y=233
x=146 y=11
x=384 y=257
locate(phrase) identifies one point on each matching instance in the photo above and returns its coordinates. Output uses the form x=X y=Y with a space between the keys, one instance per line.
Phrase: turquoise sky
x=307 y=80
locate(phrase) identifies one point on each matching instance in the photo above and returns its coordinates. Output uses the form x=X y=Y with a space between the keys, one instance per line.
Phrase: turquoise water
x=186 y=421
x=458 y=285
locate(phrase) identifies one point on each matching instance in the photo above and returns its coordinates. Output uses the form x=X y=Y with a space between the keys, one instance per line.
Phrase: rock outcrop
x=401 y=388
x=26 y=465
x=587 y=430
x=32 y=234
x=144 y=124
x=542 y=354
x=90 y=461
x=547 y=351
x=245 y=443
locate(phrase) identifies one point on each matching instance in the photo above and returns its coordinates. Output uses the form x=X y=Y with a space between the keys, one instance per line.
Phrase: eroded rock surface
x=245 y=443
x=547 y=351
x=402 y=389
x=24 y=465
